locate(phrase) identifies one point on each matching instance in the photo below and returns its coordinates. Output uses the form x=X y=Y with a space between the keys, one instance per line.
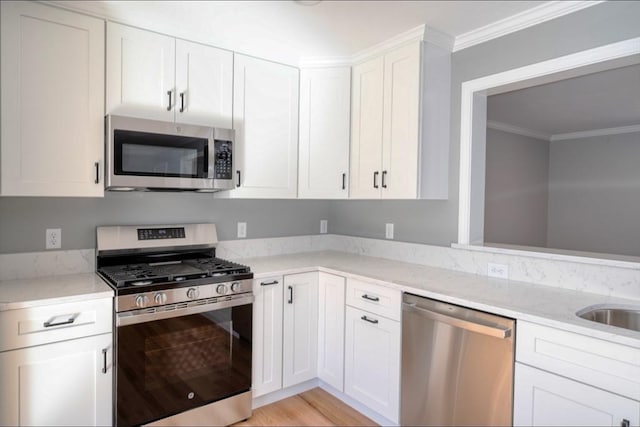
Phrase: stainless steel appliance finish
x=457 y=365
x=183 y=318
x=152 y=155
x=626 y=318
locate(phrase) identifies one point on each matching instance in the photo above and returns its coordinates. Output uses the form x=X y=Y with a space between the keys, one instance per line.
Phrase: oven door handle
x=127 y=318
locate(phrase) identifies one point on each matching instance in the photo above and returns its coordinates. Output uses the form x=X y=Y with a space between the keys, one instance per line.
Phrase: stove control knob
x=221 y=289
x=235 y=286
x=193 y=293
x=160 y=298
x=141 y=301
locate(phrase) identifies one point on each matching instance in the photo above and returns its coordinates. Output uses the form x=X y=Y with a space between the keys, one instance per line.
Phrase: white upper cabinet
x=52 y=77
x=204 y=85
x=324 y=133
x=140 y=73
x=265 y=118
x=399 y=174
x=366 y=129
x=153 y=76
x=400 y=126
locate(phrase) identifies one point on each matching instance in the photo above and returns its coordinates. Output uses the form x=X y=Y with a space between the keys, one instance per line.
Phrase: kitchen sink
x=627 y=318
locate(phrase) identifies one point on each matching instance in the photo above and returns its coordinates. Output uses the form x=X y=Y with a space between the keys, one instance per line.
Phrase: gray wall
x=594 y=194
x=517 y=172
x=436 y=222
x=22 y=220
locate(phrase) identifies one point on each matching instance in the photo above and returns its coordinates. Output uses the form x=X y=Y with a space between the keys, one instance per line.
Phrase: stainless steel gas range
x=183 y=324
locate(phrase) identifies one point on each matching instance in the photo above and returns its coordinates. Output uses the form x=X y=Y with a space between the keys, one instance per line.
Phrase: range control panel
x=224 y=159
x=160 y=233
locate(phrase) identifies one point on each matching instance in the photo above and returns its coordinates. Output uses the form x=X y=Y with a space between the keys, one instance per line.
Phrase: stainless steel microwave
x=152 y=155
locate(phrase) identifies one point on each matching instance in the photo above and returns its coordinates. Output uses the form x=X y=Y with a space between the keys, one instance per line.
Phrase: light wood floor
x=315 y=407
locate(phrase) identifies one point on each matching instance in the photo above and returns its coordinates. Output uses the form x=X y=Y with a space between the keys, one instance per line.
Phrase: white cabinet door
x=52 y=123
x=331 y=329
x=372 y=361
x=400 y=141
x=545 y=399
x=60 y=384
x=265 y=118
x=325 y=101
x=204 y=85
x=140 y=73
x=366 y=130
x=267 y=335
x=300 y=329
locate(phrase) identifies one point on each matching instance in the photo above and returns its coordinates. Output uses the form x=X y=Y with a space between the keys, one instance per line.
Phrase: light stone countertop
x=23 y=293
x=543 y=305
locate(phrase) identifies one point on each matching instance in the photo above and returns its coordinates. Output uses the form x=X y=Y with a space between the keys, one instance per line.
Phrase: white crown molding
x=528 y=18
x=595 y=132
x=420 y=33
x=504 y=127
x=414 y=34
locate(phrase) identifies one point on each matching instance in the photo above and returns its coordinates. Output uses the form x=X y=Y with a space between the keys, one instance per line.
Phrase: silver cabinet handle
x=366 y=319
x=273 y=282
x=480 y=328
x=104 y=356
x=170 y=103
x=370 y=298
x=70 y=320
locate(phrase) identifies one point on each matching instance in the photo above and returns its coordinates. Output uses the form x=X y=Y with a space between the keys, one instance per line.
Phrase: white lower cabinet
x=304 y=328
x=569 y=379
x=372 y=361
x=331 y=299
x=67 y=383
x=267 y=335
x=285 y=331
x=300 y=328
x=545 y=399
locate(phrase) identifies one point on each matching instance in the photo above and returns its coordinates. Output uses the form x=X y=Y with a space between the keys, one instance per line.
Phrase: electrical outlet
x=388 y=231
x=323 y=226
x=500 y=271
x=242 y=230
x=53 y=238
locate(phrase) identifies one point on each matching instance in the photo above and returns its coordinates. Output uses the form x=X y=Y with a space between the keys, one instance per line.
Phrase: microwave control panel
x=224 y=159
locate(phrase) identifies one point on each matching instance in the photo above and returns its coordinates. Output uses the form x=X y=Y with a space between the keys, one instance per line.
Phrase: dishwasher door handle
x=494 y=331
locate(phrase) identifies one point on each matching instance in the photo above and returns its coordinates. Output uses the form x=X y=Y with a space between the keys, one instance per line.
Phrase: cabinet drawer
x=610 y=366
x=376 y=299
x=57 y=322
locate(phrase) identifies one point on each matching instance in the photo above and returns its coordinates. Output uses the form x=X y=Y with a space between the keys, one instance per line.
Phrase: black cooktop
x=146 y=274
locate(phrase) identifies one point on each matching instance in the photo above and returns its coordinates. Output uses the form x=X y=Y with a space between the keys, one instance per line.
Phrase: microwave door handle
x=211 y=173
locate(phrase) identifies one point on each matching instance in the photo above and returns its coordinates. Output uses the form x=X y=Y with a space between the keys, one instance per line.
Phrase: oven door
x=174 y=360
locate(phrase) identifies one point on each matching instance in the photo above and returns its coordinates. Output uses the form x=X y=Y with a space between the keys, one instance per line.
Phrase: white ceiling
x=288 y=30
x=601 y=100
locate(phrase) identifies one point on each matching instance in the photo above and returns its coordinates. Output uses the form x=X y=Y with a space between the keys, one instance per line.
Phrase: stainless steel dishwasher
x=457 y=365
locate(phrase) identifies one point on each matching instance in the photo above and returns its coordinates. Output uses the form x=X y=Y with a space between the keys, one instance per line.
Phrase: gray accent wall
x=594 y=194
x=517 y=171
x=23 y=220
